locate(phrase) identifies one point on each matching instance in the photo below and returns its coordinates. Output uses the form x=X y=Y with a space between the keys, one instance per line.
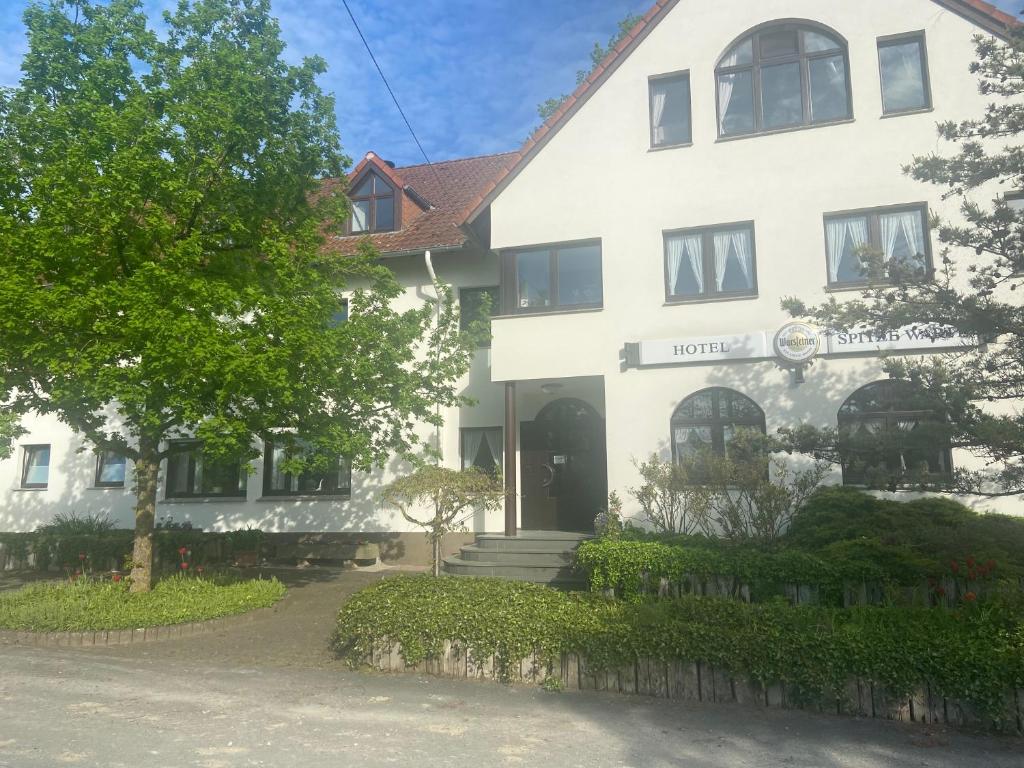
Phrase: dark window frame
x=891 y=40
x=294 y=480
x=802 y=57
x=889 y=417
x=873 y=215
x=464 y=321
x=510 y=278
x=462 y=446
x=708 y=257
x=371 y=223
x=683 y=74
x=101 y=457
x=27 y=451
x=716 y=423
x=193 y=449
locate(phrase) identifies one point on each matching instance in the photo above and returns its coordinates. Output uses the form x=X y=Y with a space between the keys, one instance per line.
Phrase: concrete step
x=547 y=541
x=537 y=571
x=515 y=556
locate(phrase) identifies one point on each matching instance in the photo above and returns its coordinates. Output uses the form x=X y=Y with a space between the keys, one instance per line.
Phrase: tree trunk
x=146 y=470
x=437 y=554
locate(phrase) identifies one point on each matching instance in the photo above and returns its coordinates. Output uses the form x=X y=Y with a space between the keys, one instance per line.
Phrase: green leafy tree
x=547 y=108
x=976 y=290
x=162 y=218
x=440 y=500
x=670 y=498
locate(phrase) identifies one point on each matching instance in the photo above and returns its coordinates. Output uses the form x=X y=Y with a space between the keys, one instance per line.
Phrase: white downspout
x=437 y=296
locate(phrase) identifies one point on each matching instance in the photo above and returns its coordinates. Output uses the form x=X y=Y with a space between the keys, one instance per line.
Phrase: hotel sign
x=794 y=343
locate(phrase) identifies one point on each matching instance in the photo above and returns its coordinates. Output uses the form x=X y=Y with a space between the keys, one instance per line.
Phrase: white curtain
x=682 y=247
x=736 y=243
x=493 y=437
x=722 y=242
x=725 y=88
x=837 y=231
x=909 y=225
x=660 y=94
x=472 y=439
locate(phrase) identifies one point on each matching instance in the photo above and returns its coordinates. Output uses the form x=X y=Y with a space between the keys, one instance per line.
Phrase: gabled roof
x=433 y=199
x=979 y=12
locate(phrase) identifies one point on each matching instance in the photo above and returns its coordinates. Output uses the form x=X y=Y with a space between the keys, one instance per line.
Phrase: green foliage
x=976 y=288
x=608 y=523
x=86 y=604
x=246 y=539
x=976 y=655
x=10 y=429
x=446 y=496
x=547 y=108
x=72 y=524
x=671 y=499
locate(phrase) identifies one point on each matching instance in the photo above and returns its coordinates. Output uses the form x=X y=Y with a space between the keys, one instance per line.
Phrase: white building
x=725 y=155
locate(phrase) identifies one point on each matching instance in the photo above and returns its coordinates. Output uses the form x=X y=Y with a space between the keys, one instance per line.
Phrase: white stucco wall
x=597 y=178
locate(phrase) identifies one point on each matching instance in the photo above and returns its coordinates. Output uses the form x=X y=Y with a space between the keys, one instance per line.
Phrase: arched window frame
x=759 y=62
x=719 y=417
x=898 y=402
x=382 y=189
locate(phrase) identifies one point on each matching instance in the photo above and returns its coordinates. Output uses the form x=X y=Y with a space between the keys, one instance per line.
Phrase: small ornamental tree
x=670 y=499
x=976 y=291
x=163 y=275
x=446 y=496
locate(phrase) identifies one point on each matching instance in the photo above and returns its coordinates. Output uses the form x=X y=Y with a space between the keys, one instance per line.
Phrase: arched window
x=710 y=418
x=373 y=205
x=891 y=433
x=780 y=76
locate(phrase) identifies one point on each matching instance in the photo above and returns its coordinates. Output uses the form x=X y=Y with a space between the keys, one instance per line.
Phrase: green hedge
x=87 y=604
x=976 y=655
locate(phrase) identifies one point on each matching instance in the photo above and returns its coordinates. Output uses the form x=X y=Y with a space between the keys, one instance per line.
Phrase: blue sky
x=469 y=73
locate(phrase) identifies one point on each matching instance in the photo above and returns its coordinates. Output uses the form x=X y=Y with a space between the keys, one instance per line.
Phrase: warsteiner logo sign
x=796 y=342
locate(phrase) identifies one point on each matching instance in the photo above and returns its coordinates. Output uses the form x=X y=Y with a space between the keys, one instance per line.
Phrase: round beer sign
x=796 y=342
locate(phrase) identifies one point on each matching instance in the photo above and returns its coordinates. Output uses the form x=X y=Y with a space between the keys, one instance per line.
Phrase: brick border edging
x=108 y=637
x=702 y=682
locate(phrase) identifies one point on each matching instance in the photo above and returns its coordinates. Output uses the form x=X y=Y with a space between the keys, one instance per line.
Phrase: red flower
x=972 y=575
x=182 y=551
x=81 y=555
x=184 y=566
x=954 y=566
x=116 y=577
x=970 y=597
x=971 y=561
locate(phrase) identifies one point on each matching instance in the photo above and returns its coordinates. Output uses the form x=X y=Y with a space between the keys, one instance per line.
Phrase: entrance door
x=564 y=472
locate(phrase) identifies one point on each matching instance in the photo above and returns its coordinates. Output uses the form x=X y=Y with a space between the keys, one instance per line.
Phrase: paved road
x=96 y=708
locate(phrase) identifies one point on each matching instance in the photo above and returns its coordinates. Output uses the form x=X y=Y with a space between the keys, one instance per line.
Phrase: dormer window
x=373 y=205
x=782 y=76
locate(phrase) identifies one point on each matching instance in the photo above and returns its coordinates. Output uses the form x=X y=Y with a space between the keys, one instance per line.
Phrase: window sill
x=875 y=286
x=204 y=500
x=44 y=488
x=684 y=145
x=905 y=112
x=307 y=497
x=709 y=299
x=105 y=488
x=777 y=131
x=549 y=312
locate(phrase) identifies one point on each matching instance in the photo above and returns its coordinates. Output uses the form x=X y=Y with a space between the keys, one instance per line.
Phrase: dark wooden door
x=539 y=490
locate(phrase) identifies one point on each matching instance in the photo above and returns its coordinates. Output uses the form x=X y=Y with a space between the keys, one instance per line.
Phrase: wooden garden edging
x=698 y=681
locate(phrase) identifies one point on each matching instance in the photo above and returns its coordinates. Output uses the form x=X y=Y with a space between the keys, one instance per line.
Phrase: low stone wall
x=701 y=682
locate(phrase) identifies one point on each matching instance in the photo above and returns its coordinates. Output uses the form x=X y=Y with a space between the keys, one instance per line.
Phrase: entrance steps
x=543 y=557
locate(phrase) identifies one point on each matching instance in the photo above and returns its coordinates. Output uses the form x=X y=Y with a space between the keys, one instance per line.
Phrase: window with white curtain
x=783 y=76
x=670 y=110
x=710 y=262
x=877 y=245
x=708 y=419
x=481 y=447
x=903 y=68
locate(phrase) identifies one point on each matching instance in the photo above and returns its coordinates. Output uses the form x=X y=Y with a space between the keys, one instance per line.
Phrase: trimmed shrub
x=975 y=654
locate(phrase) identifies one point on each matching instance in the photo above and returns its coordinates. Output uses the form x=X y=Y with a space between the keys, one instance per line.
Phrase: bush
x=975 y=655
x=88 y=604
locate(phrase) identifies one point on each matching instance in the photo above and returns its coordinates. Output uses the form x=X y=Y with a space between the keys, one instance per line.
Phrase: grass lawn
x=95 y=605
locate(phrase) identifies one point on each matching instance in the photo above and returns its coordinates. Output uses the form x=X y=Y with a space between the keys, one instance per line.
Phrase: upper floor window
x=670 y=110
x=191 y=474
x=708 y=420
x=35 y=469
x=783 y=76
x=878 y=245
x=903 y=68
x=554 y=277
x=710 y=262
x=373 y=205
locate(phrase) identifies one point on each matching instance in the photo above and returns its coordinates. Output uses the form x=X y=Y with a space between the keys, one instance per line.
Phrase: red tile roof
x=447 y=186
x=982 y=13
